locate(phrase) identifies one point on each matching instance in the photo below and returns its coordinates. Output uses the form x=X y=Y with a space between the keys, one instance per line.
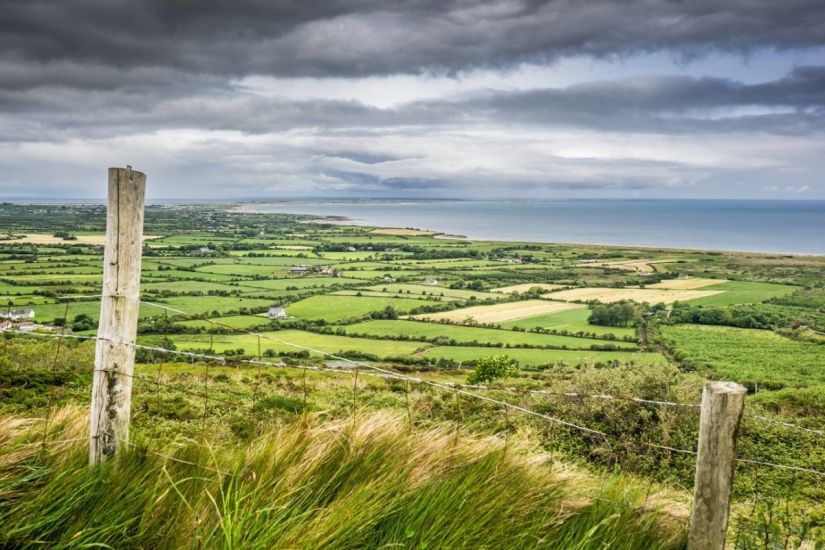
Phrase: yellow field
x=290 y=247
x=524 y=288
x=501 y=312
x=650 y=295
x=391 y=231
x=32 y=238
x=687 y=284
x=630 y=265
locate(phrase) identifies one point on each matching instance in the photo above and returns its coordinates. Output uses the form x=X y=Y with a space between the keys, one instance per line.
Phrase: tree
x=492 y=368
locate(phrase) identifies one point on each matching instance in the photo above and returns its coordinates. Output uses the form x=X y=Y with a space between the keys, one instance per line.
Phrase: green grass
x=534 y=357
x=740 y=292
x=462 y=334
x=185 y=286
x=328 y=343
x=205 y=304
x=14 y=290
x=235 y=321
x=747 y=355
x=334 y=308
x=571 y=320
x=359 y=483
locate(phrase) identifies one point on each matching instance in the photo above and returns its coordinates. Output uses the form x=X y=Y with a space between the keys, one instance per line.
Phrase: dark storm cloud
x=794 y=104
x=374 y=37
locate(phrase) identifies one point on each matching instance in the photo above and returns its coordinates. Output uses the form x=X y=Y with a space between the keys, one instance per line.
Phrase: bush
x=492 y=368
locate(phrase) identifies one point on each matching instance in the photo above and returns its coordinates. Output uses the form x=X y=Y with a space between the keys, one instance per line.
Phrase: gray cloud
x=794 y=104
x=163 y=85
x=373 y=37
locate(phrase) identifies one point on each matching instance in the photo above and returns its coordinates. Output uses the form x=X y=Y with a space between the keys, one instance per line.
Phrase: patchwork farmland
x=233 y=304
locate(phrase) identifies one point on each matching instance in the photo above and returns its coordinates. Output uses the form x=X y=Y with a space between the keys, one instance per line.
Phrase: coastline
x=488 y=221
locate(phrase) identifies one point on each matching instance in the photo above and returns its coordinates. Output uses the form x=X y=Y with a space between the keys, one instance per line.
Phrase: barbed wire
x=388 y=374
x=781 y=466
x=786 y=424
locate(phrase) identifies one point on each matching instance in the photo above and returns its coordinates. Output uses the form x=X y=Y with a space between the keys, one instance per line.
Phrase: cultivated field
x=525 y=287
x=686 y=284
x=500 y=312
x=633 y=265
x=652 y=296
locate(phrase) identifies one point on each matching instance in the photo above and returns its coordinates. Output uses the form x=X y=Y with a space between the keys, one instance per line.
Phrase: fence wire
x=352 y=368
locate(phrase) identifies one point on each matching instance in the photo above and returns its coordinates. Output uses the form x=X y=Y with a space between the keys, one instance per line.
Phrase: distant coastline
x=770 y=227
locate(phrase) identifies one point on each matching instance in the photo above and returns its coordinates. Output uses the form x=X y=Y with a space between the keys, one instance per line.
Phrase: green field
x=234 y=321
x=747 y=355
x=334 y=308
x=571 y=320
x=419 y=290
x=301 y=282
x=415 y=329
x=280 y=340
x=739 y=292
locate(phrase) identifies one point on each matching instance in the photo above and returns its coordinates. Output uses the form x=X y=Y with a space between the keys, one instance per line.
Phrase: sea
x=781 y=227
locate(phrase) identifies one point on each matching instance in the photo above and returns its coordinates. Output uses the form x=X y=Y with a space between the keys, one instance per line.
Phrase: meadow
x=468 y=335
x=747 y=356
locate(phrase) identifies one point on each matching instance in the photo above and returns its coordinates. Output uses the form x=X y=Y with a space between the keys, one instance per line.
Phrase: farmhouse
x=18 y=314
x=299 y=270
x=431 y=282
x=277 y=313
x=5 y=325
x=682 y=276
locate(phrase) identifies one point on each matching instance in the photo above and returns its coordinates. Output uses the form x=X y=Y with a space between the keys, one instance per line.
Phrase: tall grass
x=364 y=482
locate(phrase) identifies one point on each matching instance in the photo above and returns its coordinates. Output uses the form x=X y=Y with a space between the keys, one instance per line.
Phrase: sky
x=464 y=99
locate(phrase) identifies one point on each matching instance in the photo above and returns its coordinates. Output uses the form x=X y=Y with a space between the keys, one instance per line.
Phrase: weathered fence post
x=722 y=405
x=115 y=352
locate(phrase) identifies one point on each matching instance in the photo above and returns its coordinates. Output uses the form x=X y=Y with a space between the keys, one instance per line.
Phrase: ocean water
x=791 y=227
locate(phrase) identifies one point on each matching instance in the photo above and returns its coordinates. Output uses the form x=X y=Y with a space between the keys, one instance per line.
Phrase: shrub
x=492 y=368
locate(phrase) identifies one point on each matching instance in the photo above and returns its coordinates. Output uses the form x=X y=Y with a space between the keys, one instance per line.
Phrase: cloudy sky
x=528 y=99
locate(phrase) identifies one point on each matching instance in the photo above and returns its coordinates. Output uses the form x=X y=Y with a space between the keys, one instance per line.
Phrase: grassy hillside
x=364 y=482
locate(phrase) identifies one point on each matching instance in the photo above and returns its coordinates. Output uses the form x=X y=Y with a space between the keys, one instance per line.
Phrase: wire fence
x=249 y=401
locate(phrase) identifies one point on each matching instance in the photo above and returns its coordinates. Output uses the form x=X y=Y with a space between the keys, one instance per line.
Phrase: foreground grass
x=363 y=482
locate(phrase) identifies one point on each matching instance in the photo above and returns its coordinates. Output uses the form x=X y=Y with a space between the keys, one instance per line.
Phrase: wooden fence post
x=722 y=406
x=115 y=352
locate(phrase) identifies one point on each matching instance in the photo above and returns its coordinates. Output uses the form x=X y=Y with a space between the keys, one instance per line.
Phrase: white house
x=431 y=282
x=18 y=314
x=277 y=313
